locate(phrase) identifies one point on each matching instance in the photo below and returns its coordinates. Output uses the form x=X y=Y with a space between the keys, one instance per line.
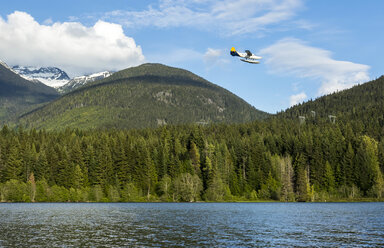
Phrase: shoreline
x=368 y=200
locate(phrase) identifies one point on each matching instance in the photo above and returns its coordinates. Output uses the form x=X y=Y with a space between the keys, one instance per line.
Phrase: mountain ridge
x=148 y=95
x=50 y=76
x=18 y=95
x=80 y=81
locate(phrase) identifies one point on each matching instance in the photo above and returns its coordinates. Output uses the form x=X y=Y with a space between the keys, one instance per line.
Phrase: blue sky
x=309 y=48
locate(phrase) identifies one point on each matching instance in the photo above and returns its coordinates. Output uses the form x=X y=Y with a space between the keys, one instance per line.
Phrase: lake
x=191 y=224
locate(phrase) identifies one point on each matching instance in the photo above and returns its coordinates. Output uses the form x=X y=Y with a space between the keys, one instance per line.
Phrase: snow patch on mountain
x=77 y=82
x=55 y=77
x=51 y=76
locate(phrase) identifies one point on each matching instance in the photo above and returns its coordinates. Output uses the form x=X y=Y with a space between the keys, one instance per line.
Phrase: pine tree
x=150 y=174
x=78 y=177
x=76 y=158
x=94 y=171
x=195 y=158
x=348 y=166
x=13 y=165
x=329 y=179
x=121 y=165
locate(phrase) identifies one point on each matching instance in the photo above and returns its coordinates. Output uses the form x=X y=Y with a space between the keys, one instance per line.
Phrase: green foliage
x=165 y=187
x=329 y=179
x=130 y=193
x=190 y=163
x=42 y=191
x=58 y=194
x=15 y=191
x=370 y=175
x=303 y=188
x=218 y=191
x=187 y=187
x=286 y=178
x=252 y=196
x=113 y=194
x=97 y=194
x=114 y=166
x=270 y=189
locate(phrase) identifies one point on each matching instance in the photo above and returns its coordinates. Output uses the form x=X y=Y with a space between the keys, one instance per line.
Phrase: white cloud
x=294 y=57
x=48 y=21
x=298 y=98
x=69 y=45
x=227 y=16
x=215 y=57
x=212 y=54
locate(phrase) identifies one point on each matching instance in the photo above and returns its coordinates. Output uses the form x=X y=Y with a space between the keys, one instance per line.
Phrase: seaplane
x=248 y=56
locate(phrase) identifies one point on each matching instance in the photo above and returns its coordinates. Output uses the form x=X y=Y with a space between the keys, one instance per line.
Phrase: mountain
x=6 y=66
x=50 y=76
x=360 y=105
x=78 y=82
x=149 y=95
x=57 y=78
x=18 y=95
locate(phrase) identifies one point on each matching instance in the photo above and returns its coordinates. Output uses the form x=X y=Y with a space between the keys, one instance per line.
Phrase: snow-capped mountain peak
x=55 y=77
x=51 y=76
x=83 y=80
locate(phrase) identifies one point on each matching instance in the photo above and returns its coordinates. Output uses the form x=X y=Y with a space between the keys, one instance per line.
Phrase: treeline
x=278 y=159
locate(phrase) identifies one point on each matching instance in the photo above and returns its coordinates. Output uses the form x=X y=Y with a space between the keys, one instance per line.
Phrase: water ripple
x=192 y=225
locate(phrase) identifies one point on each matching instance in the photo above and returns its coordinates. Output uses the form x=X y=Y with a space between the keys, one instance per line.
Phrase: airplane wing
x=249 y=54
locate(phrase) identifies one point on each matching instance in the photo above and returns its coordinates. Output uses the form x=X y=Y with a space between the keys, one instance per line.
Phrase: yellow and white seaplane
x=248 y=56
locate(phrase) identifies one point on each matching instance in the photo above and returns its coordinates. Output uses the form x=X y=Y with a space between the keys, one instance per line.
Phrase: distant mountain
x=149 y=95
x=51 y=76
x=78 y=82
x=18 y=95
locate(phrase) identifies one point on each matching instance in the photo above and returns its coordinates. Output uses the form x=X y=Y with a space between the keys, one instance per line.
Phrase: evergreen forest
x=279 y=159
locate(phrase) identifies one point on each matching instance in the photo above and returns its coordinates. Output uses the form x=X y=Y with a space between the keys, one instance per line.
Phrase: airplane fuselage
x=247 y=56
x=244 y=55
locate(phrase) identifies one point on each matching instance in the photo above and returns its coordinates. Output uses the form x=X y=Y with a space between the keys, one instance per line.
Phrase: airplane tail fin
x=233 y=52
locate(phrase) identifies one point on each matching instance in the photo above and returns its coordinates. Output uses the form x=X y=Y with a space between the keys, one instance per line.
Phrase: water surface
x=192 y=224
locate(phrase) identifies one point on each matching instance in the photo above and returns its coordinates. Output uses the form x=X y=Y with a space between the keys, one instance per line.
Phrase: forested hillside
x=149 y=95
x=362 y=106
